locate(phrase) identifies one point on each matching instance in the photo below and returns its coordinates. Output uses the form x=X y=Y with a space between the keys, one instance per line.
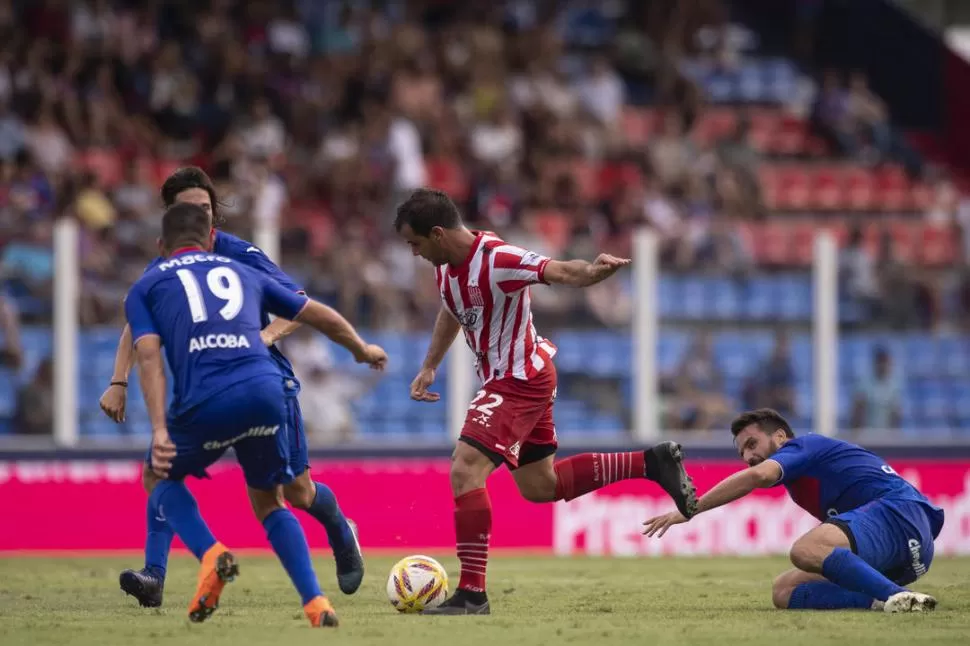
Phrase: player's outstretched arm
x=735 y=486
x=151 y=371
x=580 y=273
x=339 y=330
x=276 y=330
x=114 y=399
x=446 y=328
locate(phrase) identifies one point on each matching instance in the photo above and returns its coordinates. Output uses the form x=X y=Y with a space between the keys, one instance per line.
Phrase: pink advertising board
x=404 y=505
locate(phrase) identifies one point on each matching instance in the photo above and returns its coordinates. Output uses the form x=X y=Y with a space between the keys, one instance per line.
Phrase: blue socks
x=158 y=543
x=289 y=542
x=824 y=595
x=326 y=510
x=177 y=505
x=848 y=571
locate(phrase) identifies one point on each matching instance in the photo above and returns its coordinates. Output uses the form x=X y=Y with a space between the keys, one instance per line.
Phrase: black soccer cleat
x=664 y=464
x=350 y=563
x=143 y=586
x=463 y=602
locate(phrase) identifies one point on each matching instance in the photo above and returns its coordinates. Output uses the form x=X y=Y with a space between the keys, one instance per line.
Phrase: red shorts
x=508 y=418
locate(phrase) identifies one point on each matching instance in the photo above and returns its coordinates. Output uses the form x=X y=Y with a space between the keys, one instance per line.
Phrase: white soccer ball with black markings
x=417 y=582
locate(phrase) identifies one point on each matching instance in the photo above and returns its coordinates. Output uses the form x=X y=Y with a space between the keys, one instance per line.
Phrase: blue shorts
x=249 y=417
x=299 y=456
x=894 y=536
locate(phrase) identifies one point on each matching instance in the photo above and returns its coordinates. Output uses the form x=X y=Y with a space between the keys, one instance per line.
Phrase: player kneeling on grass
x=877 y=529
x=484 y=284
x=204 y=310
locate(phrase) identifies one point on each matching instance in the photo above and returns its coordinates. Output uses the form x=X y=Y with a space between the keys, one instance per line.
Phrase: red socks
x=580 y=474
x=473 y=525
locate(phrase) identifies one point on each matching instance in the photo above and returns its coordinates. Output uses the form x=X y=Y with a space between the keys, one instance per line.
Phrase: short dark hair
x=425 y=209
x=191 y=177
x=767 y=419
x=184 y=224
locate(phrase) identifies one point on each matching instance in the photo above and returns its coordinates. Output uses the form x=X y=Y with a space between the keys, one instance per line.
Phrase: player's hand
x=658 y=525
x=606 y=265
x=163 y=452
x=374 y=356
x=112 y=402
x=267 y=339
x=420 y=385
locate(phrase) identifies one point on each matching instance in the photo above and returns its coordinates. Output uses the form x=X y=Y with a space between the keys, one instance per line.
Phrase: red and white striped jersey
x=489 y=295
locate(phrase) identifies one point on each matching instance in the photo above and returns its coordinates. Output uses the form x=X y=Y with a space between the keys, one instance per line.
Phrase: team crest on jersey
x=471 y=319
x=475 y=296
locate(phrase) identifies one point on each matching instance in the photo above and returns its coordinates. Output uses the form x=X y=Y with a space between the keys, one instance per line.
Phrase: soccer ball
x=417 y=582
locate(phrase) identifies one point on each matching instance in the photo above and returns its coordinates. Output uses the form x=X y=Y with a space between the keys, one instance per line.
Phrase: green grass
x=535 y=601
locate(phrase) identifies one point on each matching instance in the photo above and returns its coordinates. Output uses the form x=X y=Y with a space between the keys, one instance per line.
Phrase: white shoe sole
x=909 y=602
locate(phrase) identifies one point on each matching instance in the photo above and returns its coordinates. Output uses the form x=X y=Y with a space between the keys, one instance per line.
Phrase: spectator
x=878 y=401
x=327 y=393
x=857 y=274
x=11 y=352
x=35 y=402
x=698 y=388
x=773 y=383
x=871 y=118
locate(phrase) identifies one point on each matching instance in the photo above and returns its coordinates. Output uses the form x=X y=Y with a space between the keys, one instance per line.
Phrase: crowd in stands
x=564 y=126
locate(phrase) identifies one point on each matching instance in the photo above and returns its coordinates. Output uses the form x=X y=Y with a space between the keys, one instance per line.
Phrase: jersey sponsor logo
x=916 y=552
x=888 y=469
x=221 y=341
x=471 y=319
x=256 y=431
x=191 y=259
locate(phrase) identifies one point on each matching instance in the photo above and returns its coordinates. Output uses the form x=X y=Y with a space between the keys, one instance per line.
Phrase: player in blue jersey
x=205 y=311
x=877 y=529
x=191 y=185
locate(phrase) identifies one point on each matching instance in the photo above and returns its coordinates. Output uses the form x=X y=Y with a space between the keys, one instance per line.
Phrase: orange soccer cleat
x=218 y=568
x=321 y=613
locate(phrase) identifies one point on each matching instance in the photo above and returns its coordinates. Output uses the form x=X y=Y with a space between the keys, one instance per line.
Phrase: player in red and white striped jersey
x=484 y=283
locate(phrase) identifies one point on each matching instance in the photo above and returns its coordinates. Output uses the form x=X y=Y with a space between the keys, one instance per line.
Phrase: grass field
x=535 y=600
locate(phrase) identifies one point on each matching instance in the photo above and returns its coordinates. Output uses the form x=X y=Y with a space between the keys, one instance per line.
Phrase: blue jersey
x=208 y=311
x=827 y=477
x=250 y=255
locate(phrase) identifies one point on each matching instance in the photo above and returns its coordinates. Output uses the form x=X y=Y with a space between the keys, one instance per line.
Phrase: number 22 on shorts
x=487 y=409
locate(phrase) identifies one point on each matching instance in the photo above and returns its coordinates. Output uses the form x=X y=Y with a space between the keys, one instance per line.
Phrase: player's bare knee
x=807 y=555
x=148 y=479
x=300 y=493
x=781 y=590
x=469 y=470
x=265 y=502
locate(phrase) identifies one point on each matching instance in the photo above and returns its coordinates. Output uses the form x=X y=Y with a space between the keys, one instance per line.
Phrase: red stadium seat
x=791 y=137
x=715 y=124
x=921 y=196
x=764 y=127
x=448 y=176
x=826 y=190
x=553 y=226
x=803 y=242
x=904 y=241
x=794 y=188
x=768 y=179
x=892 y=190
x=165 y=167
x=859 y=189
x=105 y=163
x=772 y=242
x=638 y=125
x=937 y=245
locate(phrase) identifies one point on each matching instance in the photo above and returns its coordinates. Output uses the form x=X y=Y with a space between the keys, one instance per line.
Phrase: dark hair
x=191 y=177
x=767 y=419
x=184 y=224
x=426 y=209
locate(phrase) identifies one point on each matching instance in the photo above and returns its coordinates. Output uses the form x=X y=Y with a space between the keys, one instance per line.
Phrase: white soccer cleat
x=907 y=601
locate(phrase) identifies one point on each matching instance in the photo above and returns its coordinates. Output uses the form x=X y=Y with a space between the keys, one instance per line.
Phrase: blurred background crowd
x=562 y=125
